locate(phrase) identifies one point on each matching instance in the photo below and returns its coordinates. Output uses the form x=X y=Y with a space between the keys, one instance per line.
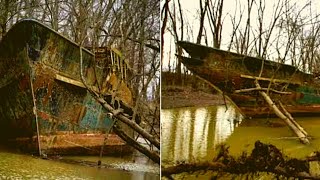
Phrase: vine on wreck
x=263 y=158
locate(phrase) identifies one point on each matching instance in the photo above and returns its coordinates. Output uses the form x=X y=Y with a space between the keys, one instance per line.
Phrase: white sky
x=191 y=18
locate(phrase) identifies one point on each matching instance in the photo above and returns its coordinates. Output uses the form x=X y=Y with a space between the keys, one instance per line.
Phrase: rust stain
x=61 y=106
x=79 y=111
x=43 y=115
x=113 y=84
x=24 y=83
x=90 y=76
x=49 y=94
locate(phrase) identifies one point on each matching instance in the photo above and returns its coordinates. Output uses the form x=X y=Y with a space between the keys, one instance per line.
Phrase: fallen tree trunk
x=189 y=168
x=303 y=138
x=127 y=121
x=292 y=119
x=116 y=113
x=155 y=157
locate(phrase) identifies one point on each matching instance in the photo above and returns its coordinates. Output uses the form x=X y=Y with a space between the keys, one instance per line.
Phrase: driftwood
x=190 y=168
x=263 y=158
x=303 y=138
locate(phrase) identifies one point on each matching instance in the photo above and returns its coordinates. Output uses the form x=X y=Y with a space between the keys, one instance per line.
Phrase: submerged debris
x=263 y=158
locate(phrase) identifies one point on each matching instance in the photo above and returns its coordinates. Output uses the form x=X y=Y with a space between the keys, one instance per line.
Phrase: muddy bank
x=178 y=96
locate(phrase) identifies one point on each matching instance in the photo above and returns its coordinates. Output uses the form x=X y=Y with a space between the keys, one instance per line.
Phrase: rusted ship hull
x=41 y=93
x=234 y=76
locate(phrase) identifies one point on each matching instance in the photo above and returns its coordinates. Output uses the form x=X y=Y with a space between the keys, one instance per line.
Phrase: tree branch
x=155 y=157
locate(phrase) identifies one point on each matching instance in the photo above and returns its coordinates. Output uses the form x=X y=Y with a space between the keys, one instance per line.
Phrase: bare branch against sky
x=284 y=31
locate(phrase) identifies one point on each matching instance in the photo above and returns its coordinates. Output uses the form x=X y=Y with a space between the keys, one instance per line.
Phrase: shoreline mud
x=178 y=96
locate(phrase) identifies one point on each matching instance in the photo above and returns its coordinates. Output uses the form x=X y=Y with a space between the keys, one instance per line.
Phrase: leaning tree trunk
x=118 y=114
x=303 y=138
x=151 y=154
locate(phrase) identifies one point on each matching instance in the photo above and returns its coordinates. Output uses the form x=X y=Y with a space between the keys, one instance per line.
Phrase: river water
x=191 y=134
x=21 y=166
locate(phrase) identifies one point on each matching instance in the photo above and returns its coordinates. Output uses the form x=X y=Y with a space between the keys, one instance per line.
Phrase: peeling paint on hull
x=31 y=58
x=74 y=144
x=230 y=72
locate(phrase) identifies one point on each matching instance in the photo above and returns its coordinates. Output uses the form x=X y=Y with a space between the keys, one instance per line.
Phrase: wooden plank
x=69 y=81
x=75 y=82
x=268 y=79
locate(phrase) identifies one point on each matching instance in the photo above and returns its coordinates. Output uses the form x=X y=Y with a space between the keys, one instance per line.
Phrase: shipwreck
x=256 y=87
x=44 y=105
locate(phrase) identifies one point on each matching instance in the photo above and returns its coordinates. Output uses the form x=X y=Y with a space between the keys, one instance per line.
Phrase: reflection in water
x=226 y=120
x=182 y=135
x=189 y=133
x=201 y=122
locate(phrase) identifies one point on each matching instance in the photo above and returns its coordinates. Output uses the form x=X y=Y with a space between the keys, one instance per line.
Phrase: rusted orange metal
x=41 y=90
x=231 y=72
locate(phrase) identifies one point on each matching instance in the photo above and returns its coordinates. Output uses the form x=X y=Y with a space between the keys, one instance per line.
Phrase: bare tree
x=203 y=11
x=215 y=20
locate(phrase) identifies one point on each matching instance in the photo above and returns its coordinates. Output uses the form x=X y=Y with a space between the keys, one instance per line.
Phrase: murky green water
x=19 y=166
x=190 y=134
